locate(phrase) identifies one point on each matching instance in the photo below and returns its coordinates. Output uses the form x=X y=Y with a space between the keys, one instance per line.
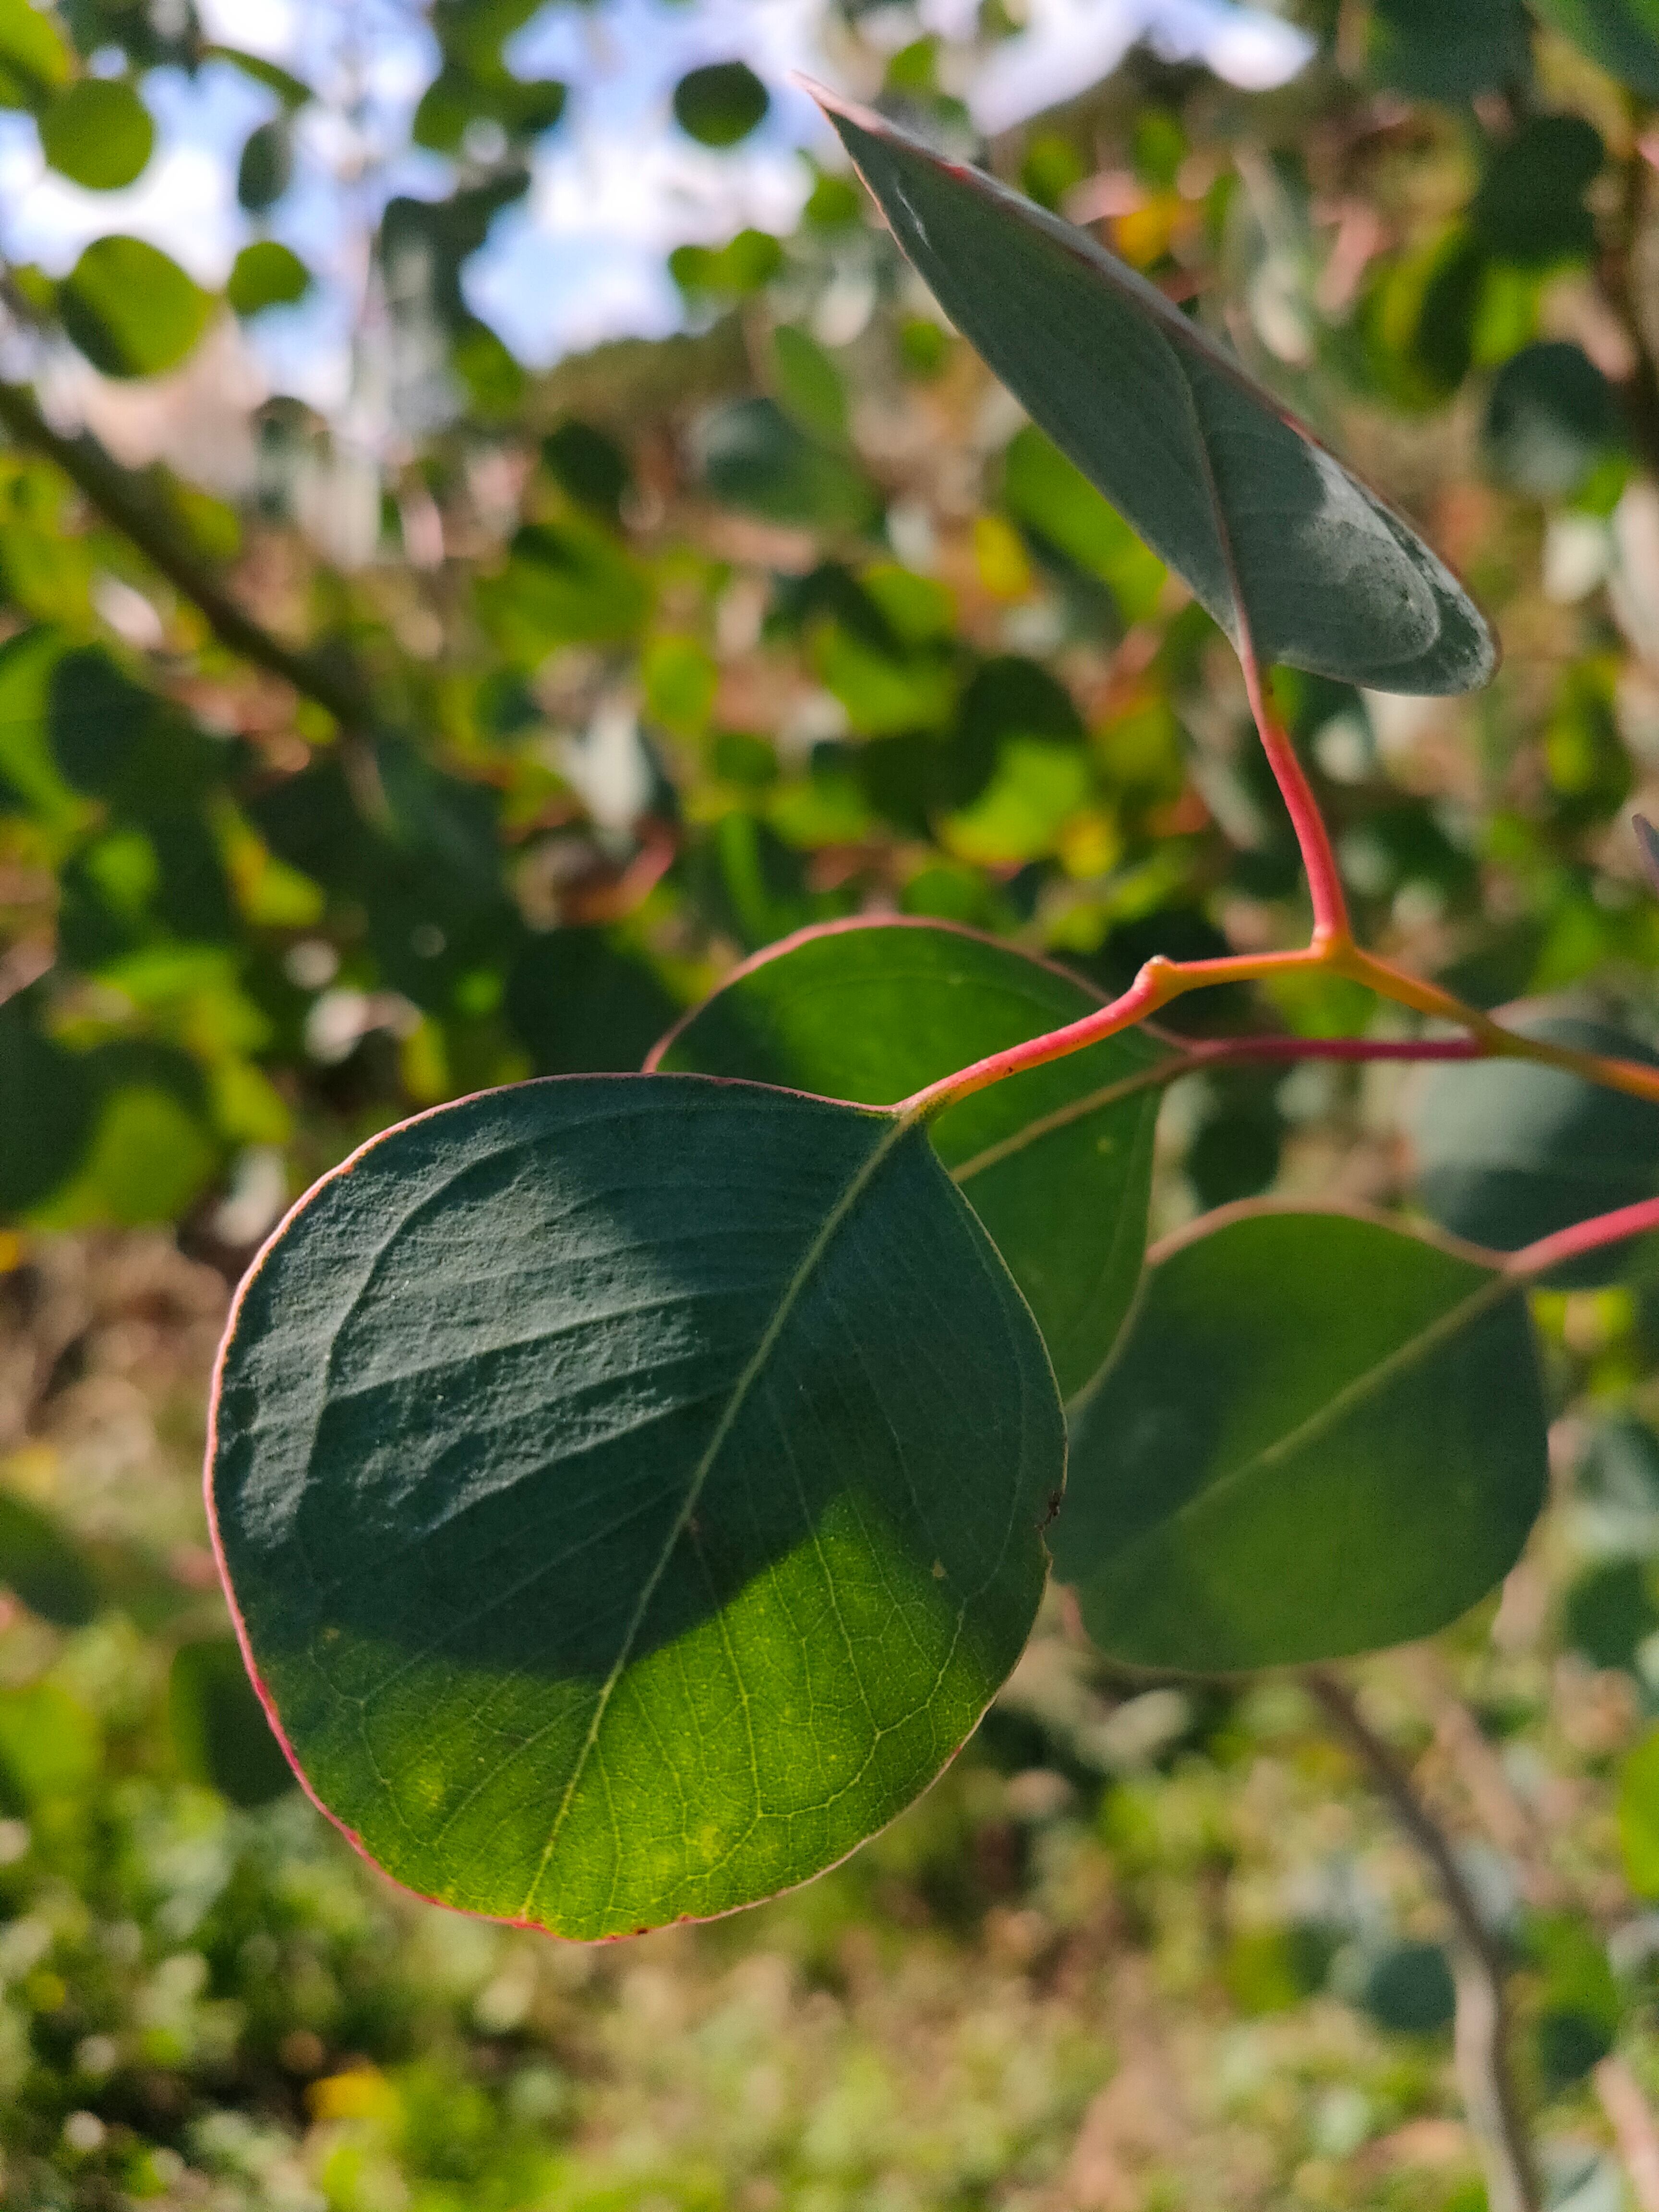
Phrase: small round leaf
x=98 y=134
x=266 y=275
x=721 y=104
x=874 y=1012
x=266 y=169
x=631 y=1489
x=1320 y=1435
x=131 y=309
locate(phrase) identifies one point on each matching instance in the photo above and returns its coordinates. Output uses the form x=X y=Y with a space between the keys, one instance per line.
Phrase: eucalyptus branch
x=1482 y=2029
x=142 y=516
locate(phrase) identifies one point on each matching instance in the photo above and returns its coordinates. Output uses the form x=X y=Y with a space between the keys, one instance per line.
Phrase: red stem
x=1585 y=1237
x=1224 y=1050
x=1330 y=906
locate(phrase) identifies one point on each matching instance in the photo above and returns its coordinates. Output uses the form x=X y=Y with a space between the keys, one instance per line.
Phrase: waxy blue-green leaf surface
x=1285 y=547
x=1320 y=1435
x=874 y=1012
x=631 y=1489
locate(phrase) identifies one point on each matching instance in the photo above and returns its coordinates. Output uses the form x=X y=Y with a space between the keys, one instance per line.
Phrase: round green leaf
x=1289 y=552
x=1623 y=35
x=721 y=104
x=1320 y=1435
x=98 y=133
x=1509 y=1152
x=266 y=275
x=873 y=1011
x=1551 y=417
x=130 y=309
x=266 y=167
x=754 y=458
x=219 y=1726
x=631 y=1491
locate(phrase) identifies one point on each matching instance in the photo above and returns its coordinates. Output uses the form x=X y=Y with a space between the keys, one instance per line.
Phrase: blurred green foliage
x=670 y=653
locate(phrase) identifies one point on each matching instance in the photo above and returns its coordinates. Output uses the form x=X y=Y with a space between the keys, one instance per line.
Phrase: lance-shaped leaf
x=1320 y=1435
x=1295 y=558
x=631 y=1489
x=1056 y=1163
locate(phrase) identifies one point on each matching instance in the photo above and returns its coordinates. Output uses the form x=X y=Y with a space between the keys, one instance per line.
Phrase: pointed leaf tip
x=1298 y=560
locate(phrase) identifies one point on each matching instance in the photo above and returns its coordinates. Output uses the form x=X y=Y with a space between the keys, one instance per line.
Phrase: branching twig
x=124 y=499
x=1482 y=2024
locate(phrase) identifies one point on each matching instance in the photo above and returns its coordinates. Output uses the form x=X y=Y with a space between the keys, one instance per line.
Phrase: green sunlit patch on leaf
x=130 y=309
x=1319 y=1435
x=98 y=134
x=1278 y=542
x=744 y=264
x=35 y=58
x=876 y=1013
x=1036 y=788
x=880 y=693
x=266 y=274
x=1639 y=1816
x=635 y=1376
x=50 y=1746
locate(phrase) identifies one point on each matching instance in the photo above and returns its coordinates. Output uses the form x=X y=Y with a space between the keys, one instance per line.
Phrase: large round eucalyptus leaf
x=1320 y=1435
x=631 y=1490
x=1508 y=1151
x=131 y=309
x=1289 y=552
x=98 y=133
x=874 y=1012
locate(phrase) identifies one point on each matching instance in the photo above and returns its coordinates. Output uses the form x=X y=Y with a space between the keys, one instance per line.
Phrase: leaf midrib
x=1415 y=1349
x=898 y=1128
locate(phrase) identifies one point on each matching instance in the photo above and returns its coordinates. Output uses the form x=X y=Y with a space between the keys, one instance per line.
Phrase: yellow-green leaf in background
x=131 y=309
